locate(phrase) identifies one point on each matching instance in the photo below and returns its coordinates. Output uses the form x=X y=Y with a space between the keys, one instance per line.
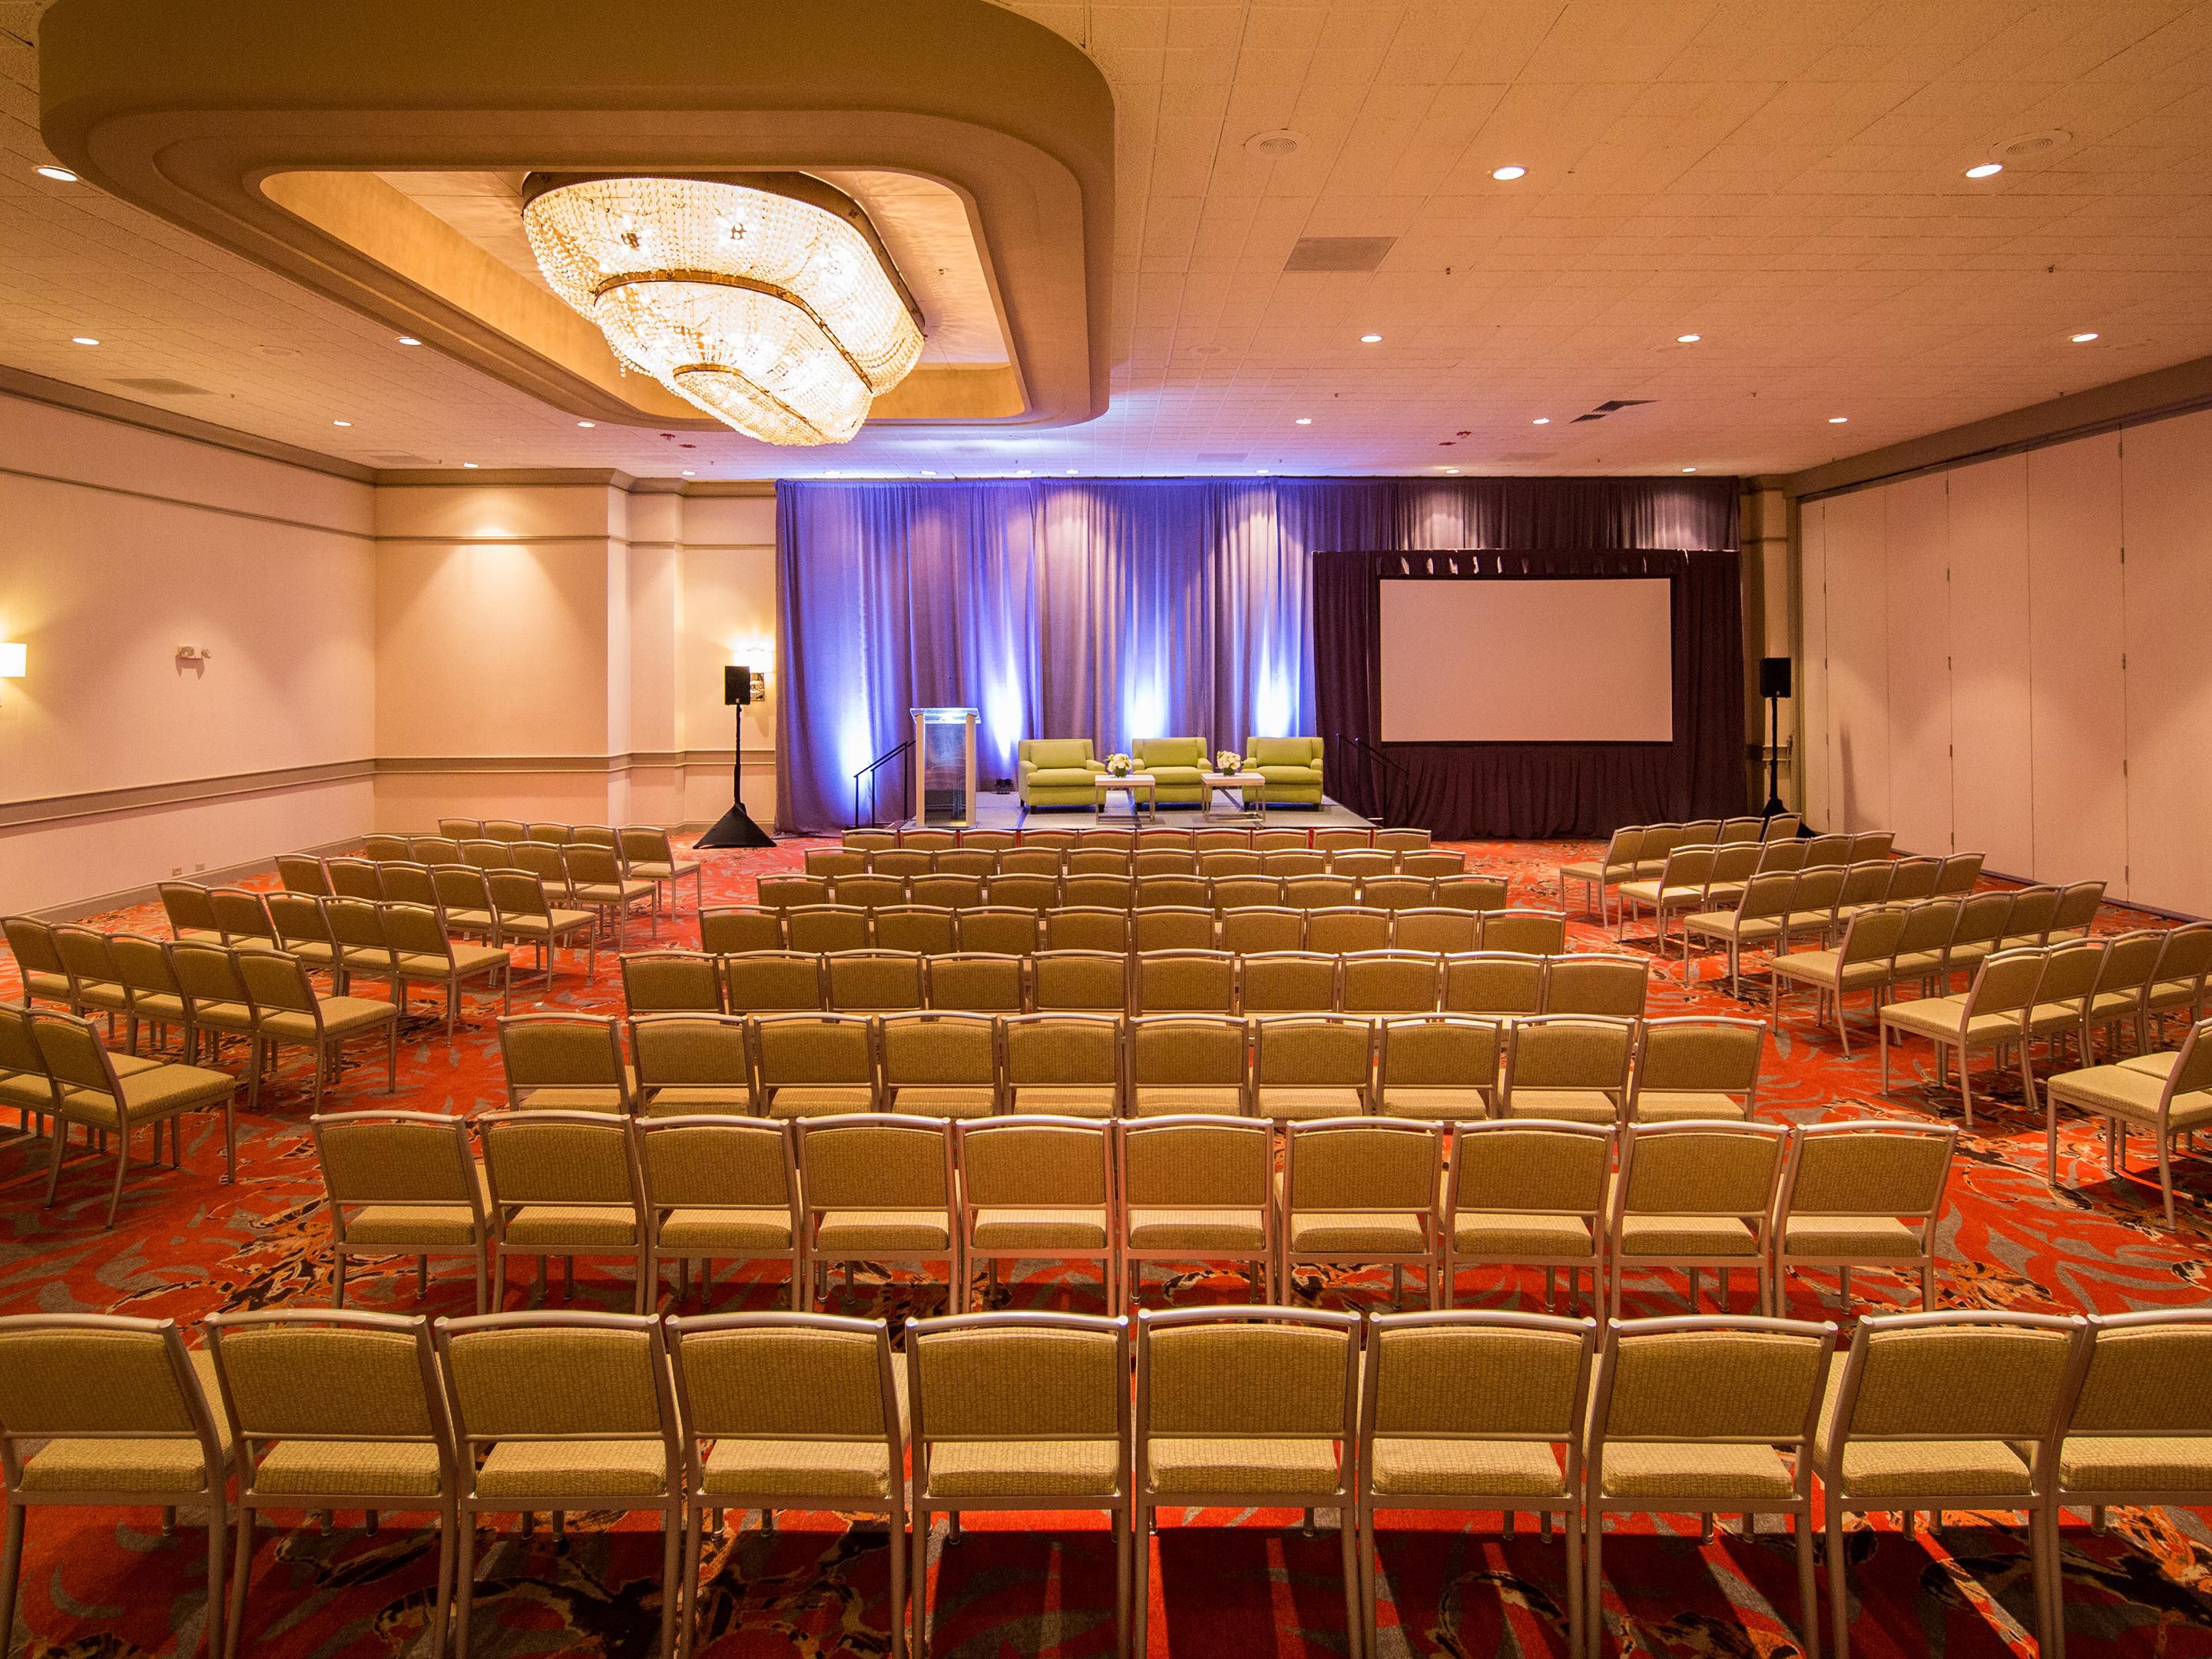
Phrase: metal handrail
x=1367 y=750
x=899 y=751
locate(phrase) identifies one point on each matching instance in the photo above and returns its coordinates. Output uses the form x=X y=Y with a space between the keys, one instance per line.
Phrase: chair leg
x=466 y=1576
x=2165 y=1172
x=1593 y=1582
x=1808 y=1600
x=441 y=1616
x=122 y=1163
x=239 y=1573
x=671 y=1578
x=1140 y=1590
x=11 y=1568
x=1348 y=1549
x=917 y=1588
x=218 y=1526
x=1839 y=1613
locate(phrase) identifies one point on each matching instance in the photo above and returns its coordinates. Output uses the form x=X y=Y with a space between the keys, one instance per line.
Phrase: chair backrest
x=354 y=878
x=1195 y=1162
x=1568 y=1051
x=1872 y=935
x=377 y=849
x=1174 y=982
x=719 y=1164
x=1066 y=980
x=1278 y=841
x=867 y=891
x=1688 y=867
x=418 y=931
x=2005 y=983
x=1246 y=1373
x=1435 y=930
x=1613 y=986
x=834 y=1050
x=1368 y=1166
x=505 y=830
x=1319 y=1050
x=975 y=981
x=1874 y=1167
x=519 y=893
x=552 y=834
x=1286 y=983
x=1782 y=826
x=733 y=1378
x=1067 y=1050
x=32 y=943
x=2129 y=961
x=143 y=966
x=146 y=1389
x=1716 y=1379
x=928 y=840
x=1344 y=929
x=1342 y=838
x=485 y=854
x=275 y=981
x=1703 y=1053
x=924 y=929
x=1218 y=862
x=1403 y=840
x=1098 y=892
x=1173 y=892
x=2033 y=911
x=2132 y=1386
x=872 y=1161
x=974 y=864
x=1814 y=899
x=1527 y=933
x=460 y=828
x=1390 y=982
x=1872 y=844
x=1149 y=861
x=2071 y=968
x=515 y=1377
x=787 y=893
x=1363 y=862
x=208 y=973
x=1435 y=863
x=1929 y=925
x=332 y=1377
x=823 y=927
x=1188 y=1049
x=1156 y=839
x=1702 y=1169
x=1251 y=930
x=593 y=864
x=643 y=843
x=1974 y=1374
x=406 y=1159
x=999 y=930
x=461 y=887
x=1037 y=1162
x=562 y=1051
x=1034 y=839
x=1208 y=841
x=2187 y=958
x=900 y=862
x=241 y=914
x=1960 y=872
x=1082 y=928
x=302 y=872
x=1395 y=893
x=1781 y=856
x=1292 y=861
x=412 y=884
x=2078 y=904
x=936 y=1047
x=1734 y=864
x=867 y=841
x=771 y=982
x=726 y=931
x=681 y=1050
x=1023 y=1377
x=1120 y=840
x=1865 y=883
x=433 y=849
x=1228 y=893
x=1822 y=851
x=1318 y=892
x=85 y=954
x=547 y=860
x=1531 y=1166
x=1439 y=1051
x=1494 y=982
x=1478 y=1376
x=583 y=1158
x=661 y=981
x=869 y=982
x=1017 y=892
x=1912 y=880
x=1734 y=831
x=70 y=1053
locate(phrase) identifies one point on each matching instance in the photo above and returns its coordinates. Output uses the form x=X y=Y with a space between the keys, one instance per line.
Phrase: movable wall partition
x=2009 y=656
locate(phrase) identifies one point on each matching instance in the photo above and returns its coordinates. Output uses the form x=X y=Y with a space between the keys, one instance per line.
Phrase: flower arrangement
x=1229 y=761
x=1118 y=766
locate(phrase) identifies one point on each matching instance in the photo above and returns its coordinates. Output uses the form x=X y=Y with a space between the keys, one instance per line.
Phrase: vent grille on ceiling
x=165 y=388
x=1339 y=252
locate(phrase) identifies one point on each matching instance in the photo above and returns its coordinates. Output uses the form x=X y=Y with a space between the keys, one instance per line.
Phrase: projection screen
x=1587 y=660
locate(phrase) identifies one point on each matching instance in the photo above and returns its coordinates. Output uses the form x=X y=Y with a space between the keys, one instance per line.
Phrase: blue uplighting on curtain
x=1117 y=609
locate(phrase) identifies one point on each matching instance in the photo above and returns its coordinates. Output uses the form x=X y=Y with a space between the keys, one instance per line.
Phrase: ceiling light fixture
x=341 y=422
x=587 y=425
x=1451 y=469
x=409 y=339
x=1541 y=420
x=1837 y=420
x=775 y=313
x=470 y=466
x=1304 y=420
x=82 y=339
x=1688 y=339
x=1506 y=175
x=2083 y=339
x=1689 y=469
x=1986 y=170
x=689 y=473
x=929 y=472
x=1371 y=339
x=59 y=175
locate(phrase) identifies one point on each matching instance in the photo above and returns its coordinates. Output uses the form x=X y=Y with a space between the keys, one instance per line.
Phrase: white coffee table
x=1136 y=785
x=1249 y=788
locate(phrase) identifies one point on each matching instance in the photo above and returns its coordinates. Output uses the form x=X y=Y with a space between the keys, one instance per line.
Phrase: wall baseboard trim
x=148 y=892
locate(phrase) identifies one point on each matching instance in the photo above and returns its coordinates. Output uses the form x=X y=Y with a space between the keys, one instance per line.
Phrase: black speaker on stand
x=1773 y=685
x=735 y=828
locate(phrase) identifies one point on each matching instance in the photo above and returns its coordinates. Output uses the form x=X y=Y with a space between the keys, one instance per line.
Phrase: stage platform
x=1005 y=812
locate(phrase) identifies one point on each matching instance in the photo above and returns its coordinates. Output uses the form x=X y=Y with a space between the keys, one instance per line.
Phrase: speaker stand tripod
x=1774 y=808
x=735 y=828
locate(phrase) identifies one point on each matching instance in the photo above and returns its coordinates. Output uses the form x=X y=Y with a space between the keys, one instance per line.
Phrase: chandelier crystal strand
x=768 y=313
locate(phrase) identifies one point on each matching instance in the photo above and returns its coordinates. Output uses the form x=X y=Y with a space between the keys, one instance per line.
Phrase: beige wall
x=2006 y=657
x=118 y=765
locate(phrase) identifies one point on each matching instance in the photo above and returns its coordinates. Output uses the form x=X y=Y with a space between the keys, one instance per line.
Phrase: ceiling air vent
x=162 y=388
x=1339 y=252
x=402 y=460
x=1610 y=405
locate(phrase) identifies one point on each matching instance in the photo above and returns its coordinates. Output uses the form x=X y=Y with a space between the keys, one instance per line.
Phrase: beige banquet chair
x=880 y=1188
x=1181 y=1064
x=1571 y=1067
x=1696 y=1066
x=2168 y=1095
x=566 y=1063
x=720 y=1189
x=1990 y=1017
x=1062 y=1064
x=1527 y=1194
x=813 y=1065
x=651 y=855
x=402 y=1183
x=1312 y=1065
x=939 y=1065
x=1037 y=1188
x=1196 y=1189
x=1437 y=1068
x=1866 y=1194
x=690 y=1064
x=672 y=982
x=740 y=928
x=1360 y=1190
x=1078 y=981
x=1692 y=1195
x=565 y=1184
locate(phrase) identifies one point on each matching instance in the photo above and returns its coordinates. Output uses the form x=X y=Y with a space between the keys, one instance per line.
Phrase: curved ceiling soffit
x=261 y=124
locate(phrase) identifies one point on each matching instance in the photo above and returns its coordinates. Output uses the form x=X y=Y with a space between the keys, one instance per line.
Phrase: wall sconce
x=15 y=660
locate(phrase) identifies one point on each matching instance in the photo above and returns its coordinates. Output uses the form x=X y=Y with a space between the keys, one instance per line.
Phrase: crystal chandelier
x=773 y=313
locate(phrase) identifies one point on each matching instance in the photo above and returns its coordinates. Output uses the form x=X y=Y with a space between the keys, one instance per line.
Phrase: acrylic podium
x=945 y=766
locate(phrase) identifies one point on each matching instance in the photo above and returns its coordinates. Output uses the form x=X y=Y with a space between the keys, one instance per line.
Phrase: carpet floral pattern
x=106 y=1585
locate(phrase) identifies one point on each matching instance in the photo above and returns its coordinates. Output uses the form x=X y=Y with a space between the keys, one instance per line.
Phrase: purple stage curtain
x=1116 y=609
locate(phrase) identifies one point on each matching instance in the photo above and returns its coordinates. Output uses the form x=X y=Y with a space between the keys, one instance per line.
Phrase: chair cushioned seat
x=1945 y=1018
x=155 y=1092
x=856 y=1232
x=149 y=1466
x=735 y=1231
x=159 y=1005
x=1062 y=777
x=1694 y=1475
x=383 y=1468
x=1865 y=1237
x=2145 y=1463
x=1167 y=1100
x=1066 y=1100
x=1592 y=870
x=559 y=1468
x=1574 y=1105
x=561 y=1227
x=1686 y=1235
x=1232 y=1232
x=1677 y=1105
x=1290 y=1468
x=798 y=1468
x=1023 y=1468
x=1466 y=1468
x=1044 y=1230
x=2126 y=1090
x=944 y=1099
x=1302 y=1103
x=1501 y=1235
x=1322 y=1232
x=341 y=1016
x=1935 y=1469
x=400 y=1227
x=574 y=1097
x=726 y=1100
x=54 y=987
x=1820 y=968
x=1435 y=1105
x=819 y=1099
x=466 y=959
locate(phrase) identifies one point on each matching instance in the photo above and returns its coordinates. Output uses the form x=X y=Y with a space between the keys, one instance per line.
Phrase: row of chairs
x=1045 y=892
x=1162 y=980
x=1638 y=851
x=933 y=1194
x=1335 y=837
x=1283 y=1068
x=696 y=1419
x=646 y=851
x=1145 y=862
x=1775 y=911
x=583 y=877
x=1700 y=879
x=934 y=930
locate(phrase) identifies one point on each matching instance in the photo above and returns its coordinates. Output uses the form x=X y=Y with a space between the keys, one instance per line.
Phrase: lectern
x=945 y=766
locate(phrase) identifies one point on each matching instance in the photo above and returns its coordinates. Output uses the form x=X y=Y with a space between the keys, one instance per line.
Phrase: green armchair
x=1292 y=766
x=1177 y=764
x=1057 y=772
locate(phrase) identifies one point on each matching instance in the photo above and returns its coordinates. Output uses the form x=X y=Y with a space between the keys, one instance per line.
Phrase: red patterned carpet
x=1231 y=1586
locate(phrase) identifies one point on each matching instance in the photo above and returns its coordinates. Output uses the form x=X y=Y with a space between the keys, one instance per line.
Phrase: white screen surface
x=1586 y=661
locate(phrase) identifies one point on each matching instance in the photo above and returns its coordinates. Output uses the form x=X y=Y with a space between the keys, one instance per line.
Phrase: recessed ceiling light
x=1371 y=339
x=2083 y=339
x=59 y=175
x=1986 y=170
x=1837 y=420
x=689 y=473
x=1541 y=420
x=1279 y=145
x=1451 y=469
x=471 y=466
x=1071 y=472
x=587 y=425
x=929 y=472
x=1688 y=339
x=409 y=339
x=1304 y=420
x=1689 y=469
x=1509 y=173
x=341 y=422
x=82 y=339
